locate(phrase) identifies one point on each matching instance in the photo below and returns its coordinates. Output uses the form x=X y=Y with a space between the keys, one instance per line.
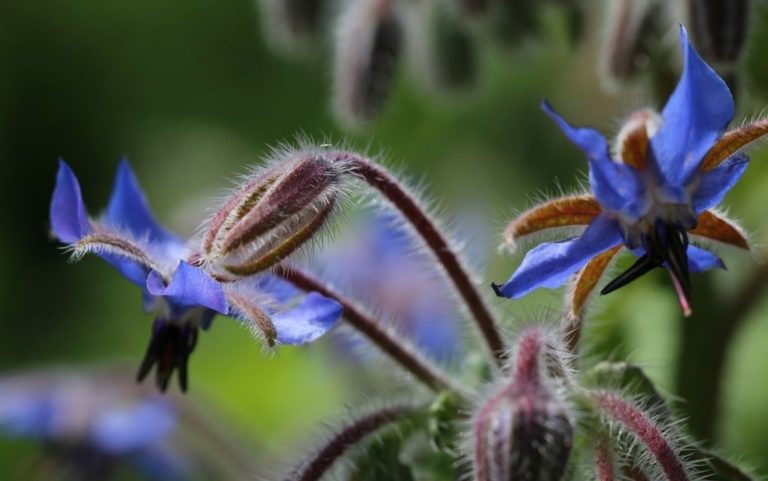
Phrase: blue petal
x=133 y=271
x=700 y=260
x=715 y=183
x=616 y=186
x=129 y=429
x=279 y=289
x=312 y=318
x=129 y=209
x=692 y=120
x=189 y=287
x=68 y=216
x=551 y=264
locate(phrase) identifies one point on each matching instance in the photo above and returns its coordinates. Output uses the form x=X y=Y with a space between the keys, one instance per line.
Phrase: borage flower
x=269 y=217
x=652 y=196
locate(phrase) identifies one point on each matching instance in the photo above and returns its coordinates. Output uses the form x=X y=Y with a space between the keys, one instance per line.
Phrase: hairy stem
x=646 y=432
x=346 y=437
x=381 y=180
x=398 y=349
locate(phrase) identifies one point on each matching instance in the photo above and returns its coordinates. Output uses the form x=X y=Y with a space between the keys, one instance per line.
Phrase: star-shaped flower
x=185 y=293
x=653 y=195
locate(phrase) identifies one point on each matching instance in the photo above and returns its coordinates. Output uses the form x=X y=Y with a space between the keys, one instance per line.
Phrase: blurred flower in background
x=95 y=424
x=376 y=261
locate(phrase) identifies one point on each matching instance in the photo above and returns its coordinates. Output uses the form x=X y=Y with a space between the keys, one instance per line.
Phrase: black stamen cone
x=642 y=266
x=169 y=349
x=668 y=246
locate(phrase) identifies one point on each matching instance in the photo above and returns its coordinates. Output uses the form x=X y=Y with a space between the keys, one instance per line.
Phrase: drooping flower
x=654 y=195
x=186 y=286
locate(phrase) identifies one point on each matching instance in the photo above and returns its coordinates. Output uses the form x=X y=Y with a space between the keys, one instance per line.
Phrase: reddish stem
x=645 y=431
x=345 y=438
x=400 y=351
x=378 y=178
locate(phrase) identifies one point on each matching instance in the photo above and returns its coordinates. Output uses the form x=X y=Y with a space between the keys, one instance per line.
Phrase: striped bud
x=523 y=432
x=272 y=214
x=632 y=30
x=368 y=48
x=718 y=28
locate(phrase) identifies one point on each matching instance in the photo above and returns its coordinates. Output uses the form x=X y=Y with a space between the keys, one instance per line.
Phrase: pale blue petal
x=715 y=183
x=616 y=186
x=122 y=430
x=189 y=287
x=312 y=318
x=128 y=209
x=700 y=260
x=68 y=216
x=551 y=264
x=693 y=119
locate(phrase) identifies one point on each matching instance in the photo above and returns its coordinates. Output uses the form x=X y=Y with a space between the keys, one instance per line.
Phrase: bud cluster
x=440 y=40
x=276 y=211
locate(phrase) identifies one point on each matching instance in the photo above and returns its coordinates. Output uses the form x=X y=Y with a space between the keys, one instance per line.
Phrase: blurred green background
x=192 y=95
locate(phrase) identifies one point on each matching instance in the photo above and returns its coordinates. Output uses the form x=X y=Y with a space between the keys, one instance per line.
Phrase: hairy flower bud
x=368 y=49
x=524 y=431
x=272 y=214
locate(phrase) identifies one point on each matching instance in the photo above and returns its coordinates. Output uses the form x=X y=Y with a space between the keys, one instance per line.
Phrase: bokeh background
x=192 y=94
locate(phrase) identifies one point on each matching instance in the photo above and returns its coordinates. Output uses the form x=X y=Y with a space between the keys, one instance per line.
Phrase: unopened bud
x=292 y=24
x=524 y=431
x=441 y=48
x=272 y=215
x=368 y=49
x=632 y=29
x=718 y=28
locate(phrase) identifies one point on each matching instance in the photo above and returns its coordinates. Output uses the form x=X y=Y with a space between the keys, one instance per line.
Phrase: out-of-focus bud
x=292 y=24
x=523 y=431
x=633 y=28
x=272 y=214
x=718 y=28
x=368 y=48
x=441 y=48
x=512 y=20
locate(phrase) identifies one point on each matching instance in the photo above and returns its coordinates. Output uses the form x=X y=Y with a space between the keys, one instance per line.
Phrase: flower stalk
x=448 y=259
x=399 y=350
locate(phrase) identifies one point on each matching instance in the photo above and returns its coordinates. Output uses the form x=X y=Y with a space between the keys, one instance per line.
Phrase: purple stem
x=398 y=349
x=381 y=180
x=345 y=438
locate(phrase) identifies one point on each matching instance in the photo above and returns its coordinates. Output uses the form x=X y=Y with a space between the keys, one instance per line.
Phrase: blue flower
x=652 y=195
x=184 y=293
x=376 y=261
x=92 y=426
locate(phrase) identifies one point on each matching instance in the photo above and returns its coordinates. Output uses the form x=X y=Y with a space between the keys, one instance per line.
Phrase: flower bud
x=272 y=214
x=632 y=30
x=523 y=432
x=368 y=49
x=719 y=28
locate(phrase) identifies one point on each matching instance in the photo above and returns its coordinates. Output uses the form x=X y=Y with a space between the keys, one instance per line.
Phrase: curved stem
x=646 y=432
x=381 y=180
x=397 y=349
x=343 y=439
